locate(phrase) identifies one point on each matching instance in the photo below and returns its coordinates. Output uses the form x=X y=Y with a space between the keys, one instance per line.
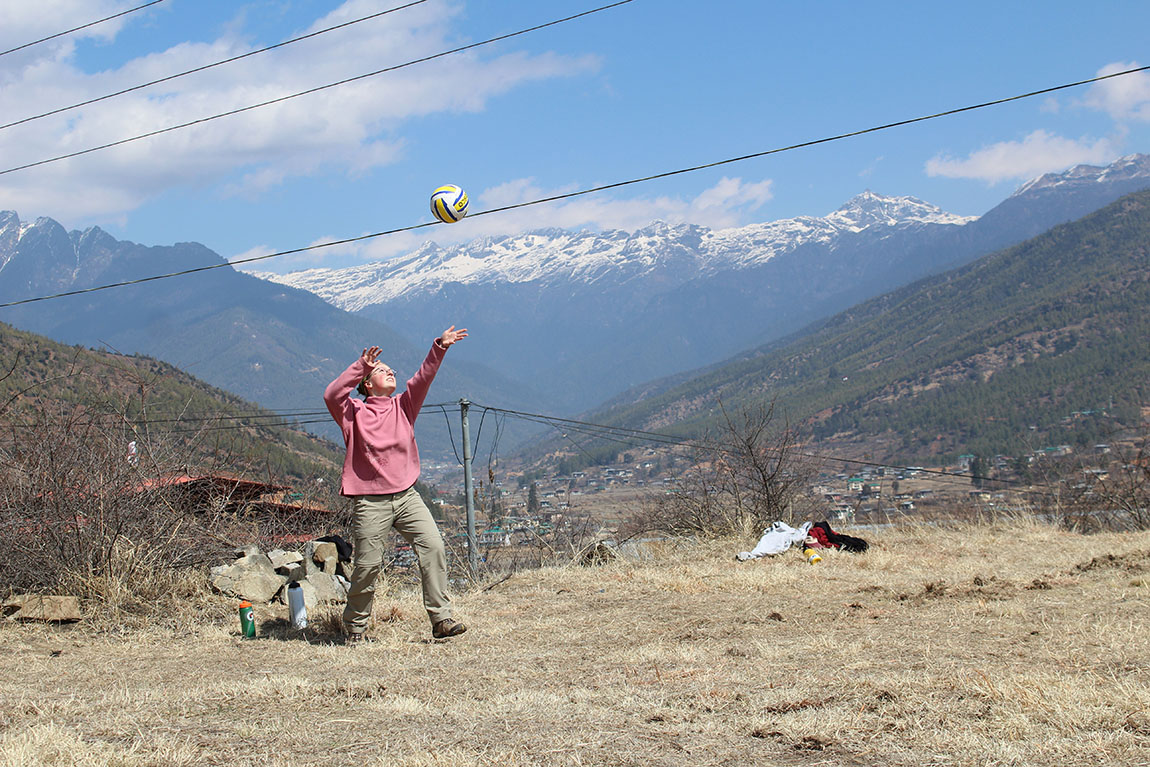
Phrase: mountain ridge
x=979 y=359
x=270 y=343
x=586 y=315
x=656 y=303
x=548 y=255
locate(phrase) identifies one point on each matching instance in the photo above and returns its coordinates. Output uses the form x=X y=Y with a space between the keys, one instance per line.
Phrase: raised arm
x=338 y=392
x=416 y=391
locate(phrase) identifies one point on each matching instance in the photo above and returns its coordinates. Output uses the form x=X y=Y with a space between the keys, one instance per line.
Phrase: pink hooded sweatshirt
x=380 y=431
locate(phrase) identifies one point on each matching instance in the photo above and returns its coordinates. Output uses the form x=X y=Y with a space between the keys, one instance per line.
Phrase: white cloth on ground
x=776 y=539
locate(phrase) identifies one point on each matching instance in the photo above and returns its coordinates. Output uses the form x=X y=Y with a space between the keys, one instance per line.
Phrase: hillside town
x=534 y=509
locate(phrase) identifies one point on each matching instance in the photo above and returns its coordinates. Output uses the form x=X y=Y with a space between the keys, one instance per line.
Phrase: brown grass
x=975 y=645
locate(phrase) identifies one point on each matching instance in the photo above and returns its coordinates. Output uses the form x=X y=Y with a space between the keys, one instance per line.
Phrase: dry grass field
x=1013 y=644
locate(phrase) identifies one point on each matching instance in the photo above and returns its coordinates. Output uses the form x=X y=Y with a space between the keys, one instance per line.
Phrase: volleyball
x=449 y=203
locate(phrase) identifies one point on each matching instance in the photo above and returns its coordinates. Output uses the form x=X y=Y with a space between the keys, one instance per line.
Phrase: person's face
x=381 y=383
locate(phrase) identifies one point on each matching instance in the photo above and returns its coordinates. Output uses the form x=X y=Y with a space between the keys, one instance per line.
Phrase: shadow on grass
x=281 y=630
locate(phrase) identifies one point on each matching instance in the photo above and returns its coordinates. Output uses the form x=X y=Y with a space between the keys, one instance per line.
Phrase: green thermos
x=247 y=619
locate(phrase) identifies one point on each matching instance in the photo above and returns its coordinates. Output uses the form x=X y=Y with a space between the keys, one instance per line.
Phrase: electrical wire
x=614 y=434
x=569 y=195
x=493 y=453
x=309 y=91
x=82 y=26
x=600 y=429
x=450 y=434
x=705 y=446
x=210 y=66
x=479 y=432
x=234 y=427
x=322 y=416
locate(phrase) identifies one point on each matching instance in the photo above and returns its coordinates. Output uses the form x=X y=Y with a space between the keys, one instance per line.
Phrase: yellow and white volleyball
x=449 y=203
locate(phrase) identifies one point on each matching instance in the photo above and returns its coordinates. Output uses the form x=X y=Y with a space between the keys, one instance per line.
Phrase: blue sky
x=645 y=88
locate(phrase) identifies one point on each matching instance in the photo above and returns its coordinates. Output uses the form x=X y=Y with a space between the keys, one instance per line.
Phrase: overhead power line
x=259 y=418
x=555 y=198
x=209 y=66
x=317 y=89
x=82 y=26
x=620 y=434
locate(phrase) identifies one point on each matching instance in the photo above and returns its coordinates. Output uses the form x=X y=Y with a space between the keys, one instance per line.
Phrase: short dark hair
x=362 y=388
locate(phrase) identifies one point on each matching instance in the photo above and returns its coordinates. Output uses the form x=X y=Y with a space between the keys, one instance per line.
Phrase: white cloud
x=257 y=252
x=723 y=205
x=24 y=22
x=1040 y=152
x=870 y=169
x=327 y=251
x=1125 y=98
x=348 y=129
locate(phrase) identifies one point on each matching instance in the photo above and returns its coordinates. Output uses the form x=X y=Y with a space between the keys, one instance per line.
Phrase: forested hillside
x=141 y=399
x=1044 y=342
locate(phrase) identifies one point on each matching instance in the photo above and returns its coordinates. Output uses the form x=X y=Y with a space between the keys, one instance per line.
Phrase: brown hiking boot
x=447 y=628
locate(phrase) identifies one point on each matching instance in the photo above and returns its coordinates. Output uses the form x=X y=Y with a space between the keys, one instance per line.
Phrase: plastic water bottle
x=812 y=556
x=247 y=619
x=296 y=605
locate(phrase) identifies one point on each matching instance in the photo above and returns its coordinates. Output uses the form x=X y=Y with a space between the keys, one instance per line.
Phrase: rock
x=310 y=598
x=251 y=577
x=309 y=558
x=325 y=588
x=293 y=572
x=282 y=559
x=247 y=551
x=326 y=555
x=42 y=607
x=264 y=577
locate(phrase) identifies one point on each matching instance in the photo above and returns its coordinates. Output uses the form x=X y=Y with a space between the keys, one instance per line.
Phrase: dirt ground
x=985 y=644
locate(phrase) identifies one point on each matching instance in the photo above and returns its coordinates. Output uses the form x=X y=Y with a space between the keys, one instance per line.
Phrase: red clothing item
x=822 y=541
x=380 y=431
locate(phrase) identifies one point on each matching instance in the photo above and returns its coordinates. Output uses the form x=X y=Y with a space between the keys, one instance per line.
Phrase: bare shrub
x=741 y=480
x=564 y=543
x=1106 y=492
x=76 y=515
x=80 y=514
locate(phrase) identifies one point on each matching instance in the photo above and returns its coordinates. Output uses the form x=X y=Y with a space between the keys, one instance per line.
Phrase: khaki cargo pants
x=374 y=518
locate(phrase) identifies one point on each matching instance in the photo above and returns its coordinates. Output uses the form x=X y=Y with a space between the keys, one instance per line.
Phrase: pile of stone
x=261 y=578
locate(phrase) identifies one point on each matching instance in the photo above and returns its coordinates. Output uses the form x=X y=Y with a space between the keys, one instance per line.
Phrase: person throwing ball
x=379 y=474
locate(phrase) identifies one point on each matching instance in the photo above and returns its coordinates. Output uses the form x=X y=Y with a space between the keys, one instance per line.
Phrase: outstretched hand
x=451 y=335
x=370 y=356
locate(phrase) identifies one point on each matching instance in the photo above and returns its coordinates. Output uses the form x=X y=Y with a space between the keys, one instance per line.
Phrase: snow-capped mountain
x=588 y=314
x=1057 y=198
x=547 y=257
x=566 y=319
x=1135 y=167
x=9 y=235
x=275 y=345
